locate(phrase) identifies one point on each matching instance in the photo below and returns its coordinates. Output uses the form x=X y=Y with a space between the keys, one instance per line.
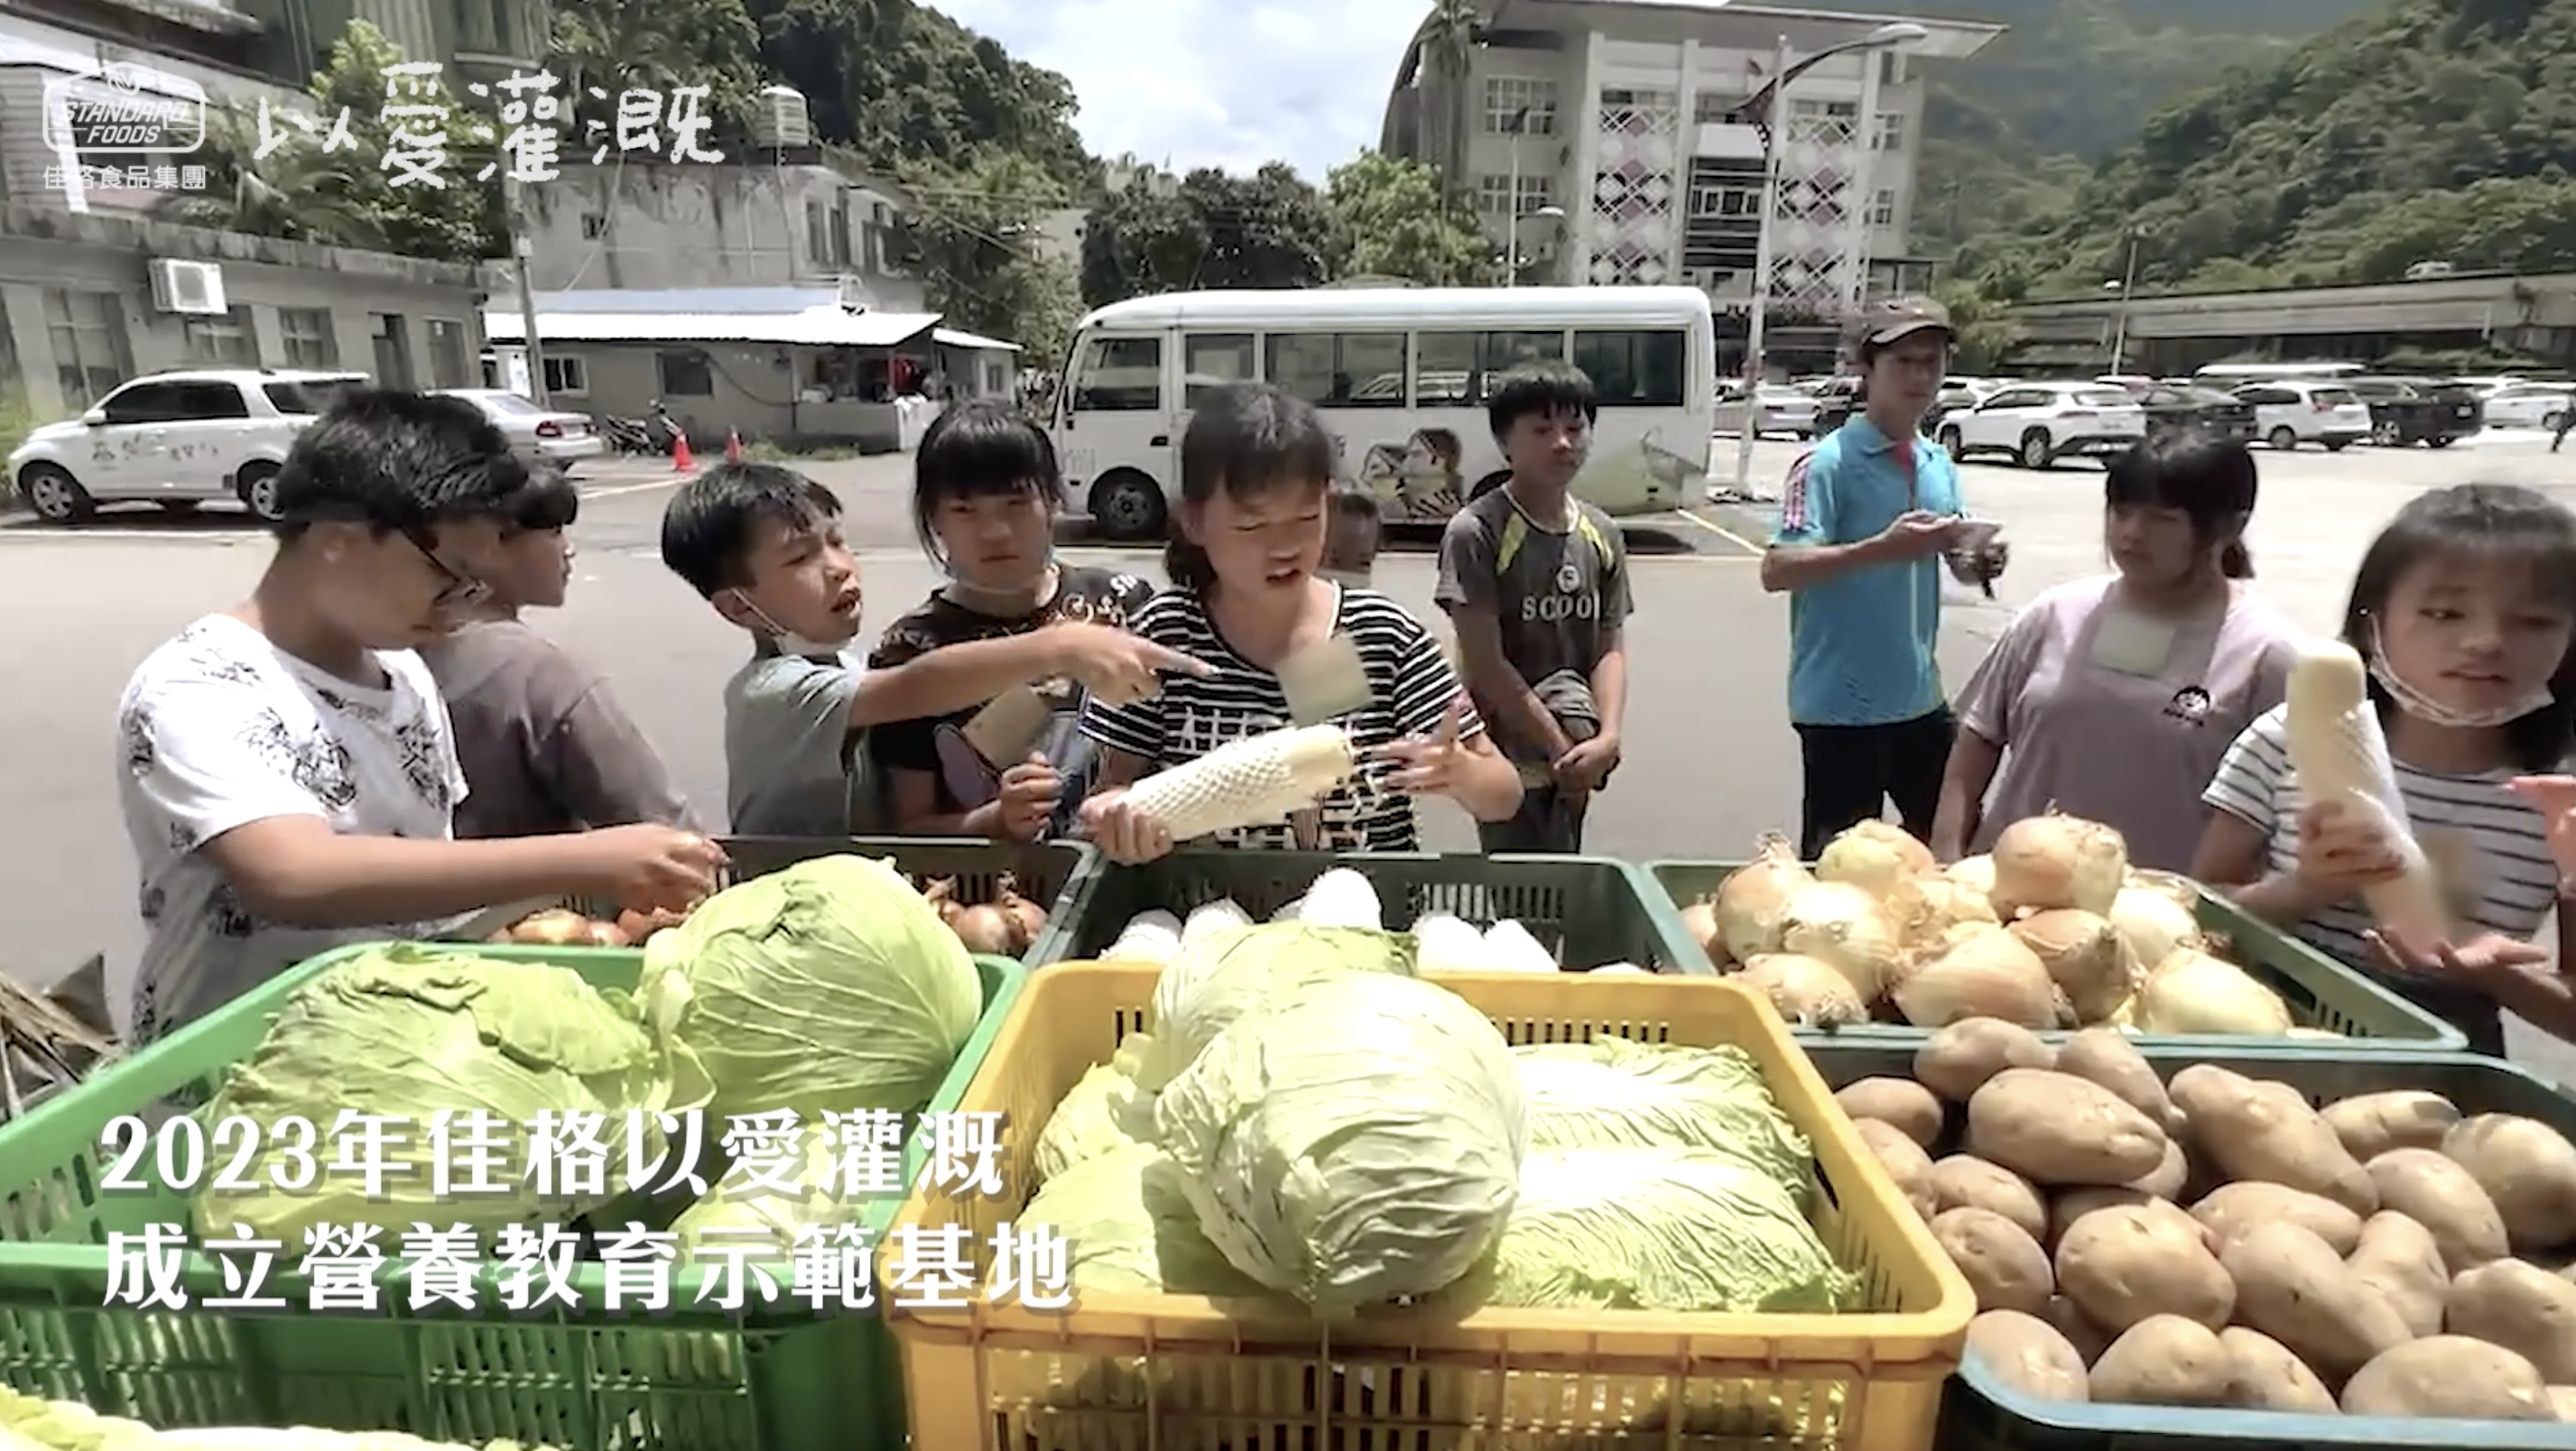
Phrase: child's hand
x=2554 y=797
x=1116 y=667
x=1580 y=771
x=1123 y=834
x=2466 y=962
x=650 y=868
x=2342 y=852
x=1428 y=765
x=1027 y=802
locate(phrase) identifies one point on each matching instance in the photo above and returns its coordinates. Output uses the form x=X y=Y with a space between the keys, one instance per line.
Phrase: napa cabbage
x=1235 y=971
x=1616 y=1093
x=1358 y=1143
x=827 y=987
x=1097 y=1116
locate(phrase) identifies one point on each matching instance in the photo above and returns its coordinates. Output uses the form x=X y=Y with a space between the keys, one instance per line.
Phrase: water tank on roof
x=782 y=122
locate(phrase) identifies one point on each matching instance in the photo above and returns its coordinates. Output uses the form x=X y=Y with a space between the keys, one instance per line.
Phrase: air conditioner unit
x=195 y=288
x=854 y=294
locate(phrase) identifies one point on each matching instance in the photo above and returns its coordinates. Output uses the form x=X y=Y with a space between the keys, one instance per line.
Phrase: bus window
x=1120 y=375
x=1339 y=370
x=1634 y=369
x=1210 y=361
x=1499 y=353
x=1443 y=364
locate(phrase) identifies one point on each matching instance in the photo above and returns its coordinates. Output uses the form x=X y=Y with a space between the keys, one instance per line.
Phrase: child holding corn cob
x=1247 y=595
x=2464 y=610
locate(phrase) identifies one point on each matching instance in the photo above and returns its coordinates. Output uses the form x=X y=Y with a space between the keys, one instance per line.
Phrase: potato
x=2521 y=1307
x=2292 y=1286
x=2027 y=1354
x=2002 y=1263
x=2448 y=1376
x=2074 y=1204
x=1904 y=1161
x=2054 y=1128
x=2398 y=1258
x=2129 y=1264
x=2105 y=1056
x=2170 y=1178
x=1898 y=1102
x=2438 y=1194
x=2250 y=1130
x=2562 y=1402
x=2233 y=1209
x=2527 y=1168
x=2164 y=1360
x=2264 y=1375
x=2371 y=1124
x=1964 y=1181
x=1956 y=1061
x=2068 y=1319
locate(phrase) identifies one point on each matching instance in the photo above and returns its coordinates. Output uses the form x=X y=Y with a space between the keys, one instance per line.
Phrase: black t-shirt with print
x=1083 y=595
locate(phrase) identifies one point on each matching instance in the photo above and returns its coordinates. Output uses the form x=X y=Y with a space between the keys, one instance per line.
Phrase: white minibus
x=1402 y=374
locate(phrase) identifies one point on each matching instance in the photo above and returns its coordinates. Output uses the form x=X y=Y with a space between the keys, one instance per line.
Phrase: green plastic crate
x=2321 y=992
x=1980 y=1413
x=1586 y=910
x=697 y=1379
x=1057 y=875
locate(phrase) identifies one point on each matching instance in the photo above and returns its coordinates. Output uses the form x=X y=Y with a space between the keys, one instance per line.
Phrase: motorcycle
x=655 y=433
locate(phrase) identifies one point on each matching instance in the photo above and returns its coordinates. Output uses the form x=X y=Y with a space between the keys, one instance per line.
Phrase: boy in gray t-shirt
x=763 y=545
x=1536 y=582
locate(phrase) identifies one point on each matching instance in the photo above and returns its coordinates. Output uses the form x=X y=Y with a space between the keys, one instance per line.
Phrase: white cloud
x=1203 y=83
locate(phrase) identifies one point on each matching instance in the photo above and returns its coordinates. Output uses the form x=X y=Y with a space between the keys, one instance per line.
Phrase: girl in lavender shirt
x=2115 y=698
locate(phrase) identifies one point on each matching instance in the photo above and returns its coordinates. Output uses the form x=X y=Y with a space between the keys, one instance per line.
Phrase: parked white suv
x=2037 y=424
x=2287 y=414
x=176 y=440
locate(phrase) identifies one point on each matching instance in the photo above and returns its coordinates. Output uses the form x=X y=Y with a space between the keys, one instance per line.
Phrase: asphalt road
x=1711 y=762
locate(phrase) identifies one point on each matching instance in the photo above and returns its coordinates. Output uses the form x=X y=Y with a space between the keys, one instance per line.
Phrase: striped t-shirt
x=2489 y=849
x=1410 y=684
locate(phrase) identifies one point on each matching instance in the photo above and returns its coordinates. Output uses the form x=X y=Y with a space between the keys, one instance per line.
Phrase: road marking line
x=614 y=490
x=1722 y=532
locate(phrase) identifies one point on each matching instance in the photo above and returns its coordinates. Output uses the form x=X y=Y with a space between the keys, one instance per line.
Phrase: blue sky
x=1199 y=83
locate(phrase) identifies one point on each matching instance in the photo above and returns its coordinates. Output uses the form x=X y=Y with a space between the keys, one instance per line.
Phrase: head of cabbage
x=1128 y=1228
x=1236 y=971
x=826 y=987
x=1360 y=1143
x=412 y=1032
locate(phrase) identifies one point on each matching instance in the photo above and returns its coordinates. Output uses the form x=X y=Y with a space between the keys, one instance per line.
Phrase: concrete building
x=1624 y=116
x=2532 y=314
x=797 y=366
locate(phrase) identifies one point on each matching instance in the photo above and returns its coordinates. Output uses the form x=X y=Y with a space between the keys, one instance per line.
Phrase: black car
x=1837 y=399
x=2407 y=411
x=2171 y=408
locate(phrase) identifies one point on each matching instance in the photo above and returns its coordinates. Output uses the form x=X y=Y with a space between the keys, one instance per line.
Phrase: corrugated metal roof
x=813 y=327
x=951 y=337
x=688 y=299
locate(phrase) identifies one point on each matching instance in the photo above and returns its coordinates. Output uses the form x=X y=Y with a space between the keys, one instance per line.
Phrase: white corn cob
x=2342 y=761
x=1250 y=782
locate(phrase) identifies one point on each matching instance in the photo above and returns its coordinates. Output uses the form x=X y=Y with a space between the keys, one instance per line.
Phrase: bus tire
x=1488 y=484
x=1127 y=506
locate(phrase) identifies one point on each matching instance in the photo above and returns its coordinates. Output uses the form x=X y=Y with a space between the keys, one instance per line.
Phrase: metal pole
x=1758 y=313
x=2128 y=284
x=519 y=250
x=1512 y=227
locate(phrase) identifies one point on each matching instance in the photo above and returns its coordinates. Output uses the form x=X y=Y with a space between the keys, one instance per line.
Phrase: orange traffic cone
x=682 y=461
x=733 y=446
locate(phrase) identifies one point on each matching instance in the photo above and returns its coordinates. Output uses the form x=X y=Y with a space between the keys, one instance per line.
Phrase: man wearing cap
x=1865 y=518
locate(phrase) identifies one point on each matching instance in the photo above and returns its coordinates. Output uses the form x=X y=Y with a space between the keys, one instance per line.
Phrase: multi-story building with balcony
x=1608 y=142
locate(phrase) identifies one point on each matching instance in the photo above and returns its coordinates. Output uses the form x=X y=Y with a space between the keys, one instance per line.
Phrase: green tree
x=1449 y=41
x=328 y=179
x=1983 y=332
x=1390 y=218
x=1269 y=229
x=974 y=238
x=611 y=45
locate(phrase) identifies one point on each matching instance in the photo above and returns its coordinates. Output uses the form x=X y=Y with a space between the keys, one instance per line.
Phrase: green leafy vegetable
x=1615 y=1093
x=1128 y=1228
x=1237 y=971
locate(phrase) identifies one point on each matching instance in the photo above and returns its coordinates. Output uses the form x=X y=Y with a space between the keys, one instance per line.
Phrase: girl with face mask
x=2158 y=665
x=2465 y=609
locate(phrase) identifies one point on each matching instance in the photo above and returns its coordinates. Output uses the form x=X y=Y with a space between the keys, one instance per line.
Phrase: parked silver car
x=539 y=435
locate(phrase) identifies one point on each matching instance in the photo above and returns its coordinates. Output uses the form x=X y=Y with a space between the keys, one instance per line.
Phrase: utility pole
x=1758 y=313
x=2120 y=324
x=512 y=197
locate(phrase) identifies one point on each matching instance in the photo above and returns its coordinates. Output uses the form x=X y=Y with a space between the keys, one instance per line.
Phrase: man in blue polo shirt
x=1865 y=519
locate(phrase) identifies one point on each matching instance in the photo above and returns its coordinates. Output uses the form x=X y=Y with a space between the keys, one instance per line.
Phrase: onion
x=1750 y=902
x=1986 y=973
x=1940 y=904
x=1804 y=991
x=2086 y=957
x=1028 y=919
x=2058 y=861
x=986 y=931
x=1976 y=873
x=1876 y=857
x=1700 y=919
x=2193 y=992
x=2153 y=924
x=2177 y=888
x=1845 y=928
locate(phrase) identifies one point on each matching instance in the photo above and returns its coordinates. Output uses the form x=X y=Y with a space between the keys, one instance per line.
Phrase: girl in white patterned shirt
x=2465 y=609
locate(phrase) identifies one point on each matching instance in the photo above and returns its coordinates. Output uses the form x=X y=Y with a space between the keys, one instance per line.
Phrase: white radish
x=1509 y=947
x=1251 y=782
x=1211 y=919
x=1444 y=943
x=1342 y=898
x=2341 y=759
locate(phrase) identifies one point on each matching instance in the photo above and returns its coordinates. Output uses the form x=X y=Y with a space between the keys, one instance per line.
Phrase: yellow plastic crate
x=1185 y=1373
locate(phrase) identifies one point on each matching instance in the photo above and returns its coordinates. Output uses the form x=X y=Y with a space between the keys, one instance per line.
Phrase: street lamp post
x=1765 y=109
x=1512 y=275
x=2127 y=285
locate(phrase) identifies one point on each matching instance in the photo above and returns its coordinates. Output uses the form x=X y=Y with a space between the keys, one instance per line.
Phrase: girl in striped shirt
x=2464 y=608
x=1246 y=594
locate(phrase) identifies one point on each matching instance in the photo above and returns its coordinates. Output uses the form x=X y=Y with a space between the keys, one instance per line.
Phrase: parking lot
x=1711 y=762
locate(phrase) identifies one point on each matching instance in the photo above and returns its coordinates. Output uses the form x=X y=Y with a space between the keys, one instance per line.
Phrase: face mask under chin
x=789 y=642
x=2433 y=712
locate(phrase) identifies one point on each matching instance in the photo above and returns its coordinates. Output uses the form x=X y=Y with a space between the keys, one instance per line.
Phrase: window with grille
x=1882 y=209
x=1520 y=105
x=91 y=352
x=308 y=337
x=1889 y=134
x=225 y=341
